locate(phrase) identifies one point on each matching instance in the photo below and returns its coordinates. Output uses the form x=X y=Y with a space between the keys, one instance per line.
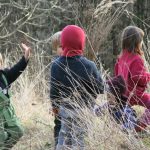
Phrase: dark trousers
x=57 y=127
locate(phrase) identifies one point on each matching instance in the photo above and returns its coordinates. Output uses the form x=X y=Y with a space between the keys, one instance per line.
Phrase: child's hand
x=100 y=110
x=55 y=111
x=27 y=51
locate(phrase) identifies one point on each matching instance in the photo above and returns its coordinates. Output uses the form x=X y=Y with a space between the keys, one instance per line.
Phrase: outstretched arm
x=13 y=73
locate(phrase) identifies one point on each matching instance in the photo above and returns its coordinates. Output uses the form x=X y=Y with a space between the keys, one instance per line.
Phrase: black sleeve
x=54 y=85
x=13 y=73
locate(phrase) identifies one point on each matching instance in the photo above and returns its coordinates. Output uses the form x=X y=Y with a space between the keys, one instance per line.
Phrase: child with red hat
x=75 y=83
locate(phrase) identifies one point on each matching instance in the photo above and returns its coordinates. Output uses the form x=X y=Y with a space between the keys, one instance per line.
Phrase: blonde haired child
x=56 y=47
x=55 y=43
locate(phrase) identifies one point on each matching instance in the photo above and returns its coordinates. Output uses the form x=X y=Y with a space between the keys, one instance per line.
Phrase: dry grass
x=31 y=100
x=33 y=110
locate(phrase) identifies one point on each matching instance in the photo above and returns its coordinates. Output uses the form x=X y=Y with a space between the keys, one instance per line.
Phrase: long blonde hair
x=132 y=37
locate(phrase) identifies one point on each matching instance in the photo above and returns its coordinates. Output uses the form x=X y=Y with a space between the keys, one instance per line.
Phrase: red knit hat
x=72 y=40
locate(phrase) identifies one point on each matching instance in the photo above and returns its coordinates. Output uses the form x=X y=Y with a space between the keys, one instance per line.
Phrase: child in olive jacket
x=10 y=128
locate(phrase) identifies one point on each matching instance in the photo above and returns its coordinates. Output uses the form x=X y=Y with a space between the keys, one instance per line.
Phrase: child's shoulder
x=55 y=57
x=131 y=57
x=87 y=61
x=58 y=61
x=138 y=58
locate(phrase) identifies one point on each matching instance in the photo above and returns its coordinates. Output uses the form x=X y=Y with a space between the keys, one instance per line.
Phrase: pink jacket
x=131 y=67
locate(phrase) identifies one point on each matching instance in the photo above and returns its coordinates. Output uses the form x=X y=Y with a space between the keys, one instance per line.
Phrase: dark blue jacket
x=75 y=77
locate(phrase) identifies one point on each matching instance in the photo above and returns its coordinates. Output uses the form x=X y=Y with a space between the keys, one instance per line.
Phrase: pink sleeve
x=138 y=73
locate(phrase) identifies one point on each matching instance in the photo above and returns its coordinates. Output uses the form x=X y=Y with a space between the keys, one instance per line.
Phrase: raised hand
x=27 y=51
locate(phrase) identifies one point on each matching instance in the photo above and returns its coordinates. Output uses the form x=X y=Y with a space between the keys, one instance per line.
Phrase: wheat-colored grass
x=30 y=96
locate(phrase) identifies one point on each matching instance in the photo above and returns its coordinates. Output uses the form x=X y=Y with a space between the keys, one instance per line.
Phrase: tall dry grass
x=30 y=96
